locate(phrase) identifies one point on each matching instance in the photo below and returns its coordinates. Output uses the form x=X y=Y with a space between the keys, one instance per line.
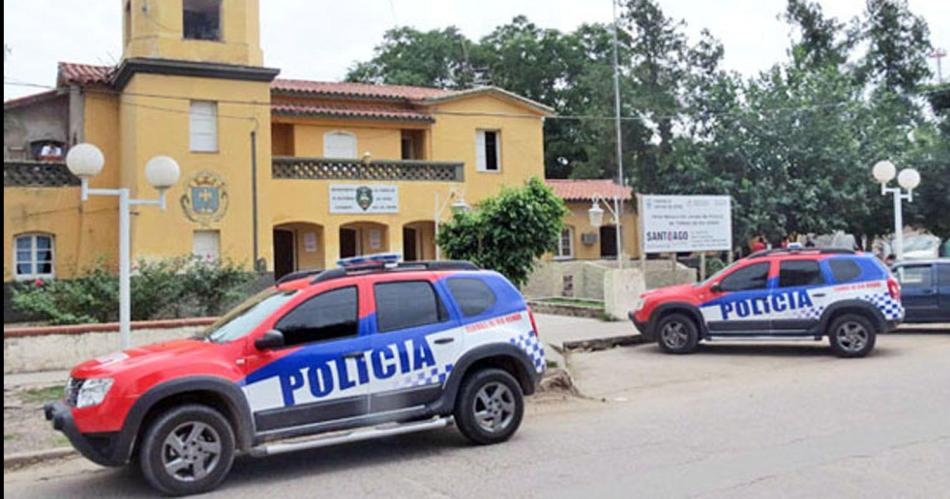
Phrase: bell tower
x=208 y=31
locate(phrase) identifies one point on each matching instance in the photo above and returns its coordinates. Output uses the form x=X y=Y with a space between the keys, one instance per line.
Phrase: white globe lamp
x=85 y=160
x=908 y=178
x=162 y=172
x=884 y=171
x=596 y=215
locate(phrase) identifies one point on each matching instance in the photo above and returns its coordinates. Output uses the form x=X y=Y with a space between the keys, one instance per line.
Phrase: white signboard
x=686 y=223
x=372 y=198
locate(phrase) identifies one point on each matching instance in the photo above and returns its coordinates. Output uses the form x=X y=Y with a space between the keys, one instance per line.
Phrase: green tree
x=507 y=232
x=407 y=56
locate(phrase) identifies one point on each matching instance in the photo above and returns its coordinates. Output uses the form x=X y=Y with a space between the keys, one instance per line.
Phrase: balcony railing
x=37 y=174
x=288 y=167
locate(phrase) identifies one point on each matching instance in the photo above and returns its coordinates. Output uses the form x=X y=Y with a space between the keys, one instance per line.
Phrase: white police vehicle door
x=320 y=374
x=741 y=311
x=792 y=303
x=414 y=346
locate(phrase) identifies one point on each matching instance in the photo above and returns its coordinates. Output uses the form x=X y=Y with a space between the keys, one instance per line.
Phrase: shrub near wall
x=167 y=288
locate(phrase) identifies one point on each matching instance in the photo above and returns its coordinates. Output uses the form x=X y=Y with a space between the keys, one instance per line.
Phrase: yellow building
x=582 y=241
x=321 y=170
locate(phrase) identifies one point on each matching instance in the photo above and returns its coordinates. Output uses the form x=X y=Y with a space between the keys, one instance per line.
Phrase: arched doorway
x=608 y=241
x=418 y=241
x=363 y=238
x=297 y=246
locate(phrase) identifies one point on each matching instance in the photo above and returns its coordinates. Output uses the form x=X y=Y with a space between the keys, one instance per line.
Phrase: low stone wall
x=551 y=278
x=541 y=307
x=622 y=288
x=51 y=348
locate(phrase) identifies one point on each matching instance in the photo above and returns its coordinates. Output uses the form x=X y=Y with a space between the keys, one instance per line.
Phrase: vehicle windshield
x=715 y=276
x=246 y=316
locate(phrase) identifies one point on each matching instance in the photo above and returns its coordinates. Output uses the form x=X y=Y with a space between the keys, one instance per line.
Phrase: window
x=201 y=19
x=565 y=245
x=405 y=304
x=204 y=126
x=799 y=273
x=34 y=256
x=472 y=295
x=916 y=276
x=327 y=316
x=206 y=244
x=246 y=316
x=753 y=276
x=844 y=270
x=943 y=274
x=487 y=154
x=339 y=145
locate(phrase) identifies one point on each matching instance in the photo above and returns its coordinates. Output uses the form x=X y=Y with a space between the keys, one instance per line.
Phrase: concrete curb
x=603 y=343
x=22 y=459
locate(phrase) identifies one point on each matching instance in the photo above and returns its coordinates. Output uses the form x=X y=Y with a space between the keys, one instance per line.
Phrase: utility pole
x=939 y=54
x=617 y=99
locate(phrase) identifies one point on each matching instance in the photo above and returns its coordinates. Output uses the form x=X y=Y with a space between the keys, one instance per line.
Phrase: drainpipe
x=257 y=265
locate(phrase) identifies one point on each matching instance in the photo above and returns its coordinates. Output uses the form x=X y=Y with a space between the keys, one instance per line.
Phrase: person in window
x=51 y=152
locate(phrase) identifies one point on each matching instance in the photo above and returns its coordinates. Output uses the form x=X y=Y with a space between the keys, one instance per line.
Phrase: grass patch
x=42 y=395
x=9 y=436
x=551 y=364
x=575 y=302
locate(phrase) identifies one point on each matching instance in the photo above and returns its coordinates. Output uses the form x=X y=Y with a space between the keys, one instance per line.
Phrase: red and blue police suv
x=778 y=294
x=375 y=348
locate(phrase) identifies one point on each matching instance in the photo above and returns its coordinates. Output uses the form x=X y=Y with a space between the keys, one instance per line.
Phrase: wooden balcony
x=288 y=167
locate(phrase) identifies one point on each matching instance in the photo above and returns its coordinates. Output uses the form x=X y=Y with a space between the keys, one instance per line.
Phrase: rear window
x=844 y=270
x=405 y=304
x=915 y=276
x=799 y=273
x=473 y=295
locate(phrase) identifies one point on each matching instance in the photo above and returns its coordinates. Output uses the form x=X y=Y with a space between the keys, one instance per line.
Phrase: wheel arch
x=688 y=309
x=859 y=307
x=503 y=356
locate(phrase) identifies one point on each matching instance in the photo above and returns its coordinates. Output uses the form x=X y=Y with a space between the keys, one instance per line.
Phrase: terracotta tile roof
x=586 y=189
x=84 y=74
x=350 y=110
x=347 y=89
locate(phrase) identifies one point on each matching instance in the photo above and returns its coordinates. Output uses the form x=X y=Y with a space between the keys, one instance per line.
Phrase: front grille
x=72 y=390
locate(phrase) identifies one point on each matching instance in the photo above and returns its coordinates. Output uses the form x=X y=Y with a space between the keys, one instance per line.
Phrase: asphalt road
x=730 y=421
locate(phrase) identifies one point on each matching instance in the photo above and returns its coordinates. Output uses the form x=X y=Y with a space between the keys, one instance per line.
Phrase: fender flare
x=679 y=306
x=228 y=390
x=860 y=306
x=527 y=376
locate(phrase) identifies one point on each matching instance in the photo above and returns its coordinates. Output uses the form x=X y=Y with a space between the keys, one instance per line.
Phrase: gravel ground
x=24 y=428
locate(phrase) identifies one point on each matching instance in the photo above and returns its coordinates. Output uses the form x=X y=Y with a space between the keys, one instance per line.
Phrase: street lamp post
x=596 y=218
x=458 y=206
x=86 y=161
x=908 y=178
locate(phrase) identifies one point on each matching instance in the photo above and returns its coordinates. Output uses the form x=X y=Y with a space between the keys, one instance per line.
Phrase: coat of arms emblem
x=206 y=198
x=364 y=197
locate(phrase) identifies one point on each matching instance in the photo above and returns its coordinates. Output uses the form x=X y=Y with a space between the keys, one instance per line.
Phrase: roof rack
x=434 y=265
x=801 y=251
x=300 y=274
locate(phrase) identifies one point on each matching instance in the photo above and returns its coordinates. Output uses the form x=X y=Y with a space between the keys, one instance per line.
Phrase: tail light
x=894 y=288
x=534 y=325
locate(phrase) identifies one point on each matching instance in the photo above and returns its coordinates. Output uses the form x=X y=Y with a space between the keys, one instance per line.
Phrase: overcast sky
x=320 y=39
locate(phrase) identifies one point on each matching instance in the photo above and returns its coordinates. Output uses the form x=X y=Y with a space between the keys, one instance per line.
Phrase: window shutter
x=204 y=126
x=207 y=244
x=339 y=145
x=480 y=163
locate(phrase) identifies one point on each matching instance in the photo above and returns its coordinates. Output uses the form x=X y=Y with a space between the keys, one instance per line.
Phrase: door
x=409 y=246
x=608 y=241
x=348 y=245
x=321 y=371
x=284 y=258
x=918 y=292
x=795 y=304
x=943 y=292
x=414 y=347
x=739 y=307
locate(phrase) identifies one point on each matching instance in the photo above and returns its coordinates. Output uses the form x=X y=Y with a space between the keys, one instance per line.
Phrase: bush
x=167 y=288
x=507 y=232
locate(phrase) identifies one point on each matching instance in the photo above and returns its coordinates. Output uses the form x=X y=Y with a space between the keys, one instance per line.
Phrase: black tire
x=677 y=333
x=210 y=426
x=499 y=416
x=852 y=335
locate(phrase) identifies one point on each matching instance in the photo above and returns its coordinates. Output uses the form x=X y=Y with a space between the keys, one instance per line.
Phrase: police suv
x=372 y=349
x=778 y=294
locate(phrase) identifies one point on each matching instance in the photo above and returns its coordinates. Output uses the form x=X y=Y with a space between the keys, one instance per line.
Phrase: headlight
x=638 y=305
x=93 y=391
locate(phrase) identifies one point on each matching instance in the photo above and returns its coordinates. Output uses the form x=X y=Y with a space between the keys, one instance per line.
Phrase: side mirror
x=716 y=288
x=271 y=339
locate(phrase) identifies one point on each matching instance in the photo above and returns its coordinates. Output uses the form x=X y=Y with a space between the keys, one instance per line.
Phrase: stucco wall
x=46 y=120
x=63 y=351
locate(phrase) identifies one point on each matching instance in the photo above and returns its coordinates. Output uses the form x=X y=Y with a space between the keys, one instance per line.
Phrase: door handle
x=353 y=355
x=443 y=341
x=819 y=295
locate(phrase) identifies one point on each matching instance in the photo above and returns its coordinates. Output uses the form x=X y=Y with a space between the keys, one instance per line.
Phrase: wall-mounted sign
x=206 y=198
x=310 y=242
x=375 y=239
x=351 y=198
x=686 y=223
